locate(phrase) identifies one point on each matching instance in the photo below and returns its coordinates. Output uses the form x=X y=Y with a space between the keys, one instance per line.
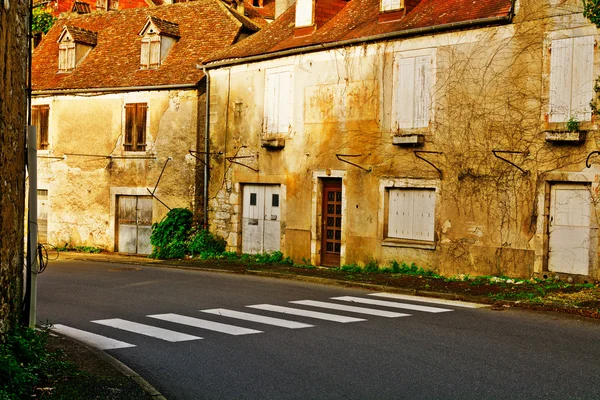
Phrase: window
x=411 y=214
x=278 y=100
x=113 y=4
x=304 y=13
x=411 y=97
x=150 y=58
x=571 y=78
x=391 y=5
x=66 y=56
x=39 y=119
x=135 y=127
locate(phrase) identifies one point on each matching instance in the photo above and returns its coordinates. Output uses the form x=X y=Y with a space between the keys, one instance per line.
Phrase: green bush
x=170 y=235
x=25 y=363
x=204 y=243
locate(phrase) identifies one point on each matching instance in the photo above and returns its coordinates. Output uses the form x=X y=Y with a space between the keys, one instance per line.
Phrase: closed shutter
x=422 y=91
x=129 y=126
x=411 y=214
x=141 y=126
x=304 y=13
x=386 y=5
x=62 y=58
x=43 y=127
x=560 y=79
x=394 y=214
x=271 y=99
x=285 y=102
x=71 y=56
x=405 y=93
x=424 y=205
x=145 y=55
x=155 y=52
x=583 y=77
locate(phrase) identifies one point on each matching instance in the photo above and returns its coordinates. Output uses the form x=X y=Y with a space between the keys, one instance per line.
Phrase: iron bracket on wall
x=193 y=154
x=525 y=153
x=587 y=160
x=157 y=182
x=351 y=163
x=417 y=154
x=232 y=160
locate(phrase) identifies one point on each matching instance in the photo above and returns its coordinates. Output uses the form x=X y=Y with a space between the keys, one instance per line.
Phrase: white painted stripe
x=92 y=339
x=341 y=307
x=204 y=324
x=284 y=323
x=306 y=313
x=420 y=299
x=392 y=304
x=152 y=331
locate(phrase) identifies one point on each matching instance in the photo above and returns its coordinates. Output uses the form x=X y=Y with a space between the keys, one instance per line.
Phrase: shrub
x=205 y=243
x=170 y=235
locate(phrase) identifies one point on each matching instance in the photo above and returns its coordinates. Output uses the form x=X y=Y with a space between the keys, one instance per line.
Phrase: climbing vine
x=42 y=20
x=591 y=10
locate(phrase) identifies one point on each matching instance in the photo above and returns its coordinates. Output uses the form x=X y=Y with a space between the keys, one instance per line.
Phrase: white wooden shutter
x=583 y=78
x=560 y=79
x=271 y=99
x=405 y=94
x=145 y=54
x=304 y=13
x=393 y=213
x=423 y=214
x=285 y=103
x=406 y=213
x=388 y=5
x=422 y=91
x=155 y=52
x=62 y=58
x=411 y=214
x=71 y=56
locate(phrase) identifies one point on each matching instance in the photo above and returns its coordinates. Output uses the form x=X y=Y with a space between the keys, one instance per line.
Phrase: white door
x=261 y=219
x=134 y=224
x=569 y=243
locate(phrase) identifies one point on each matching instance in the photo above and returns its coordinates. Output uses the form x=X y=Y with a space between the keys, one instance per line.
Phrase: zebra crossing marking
x=341 y=307
x=204 y=324
x=306 y=313
x=283 y=323
x=420 y=299
x=147 y=330
x=92 y=339
x=393 y=304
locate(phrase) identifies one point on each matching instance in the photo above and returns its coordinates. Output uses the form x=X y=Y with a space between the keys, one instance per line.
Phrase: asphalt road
x=461 y=353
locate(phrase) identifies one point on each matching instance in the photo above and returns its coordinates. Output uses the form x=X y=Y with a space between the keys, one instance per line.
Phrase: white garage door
x=261 y=219
x=569 y=246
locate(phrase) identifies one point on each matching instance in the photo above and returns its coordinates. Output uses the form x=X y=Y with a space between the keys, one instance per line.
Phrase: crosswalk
x=362 y=306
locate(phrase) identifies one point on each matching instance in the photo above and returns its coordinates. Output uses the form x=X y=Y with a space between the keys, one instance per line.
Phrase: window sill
x=415 y=244
x=410 y=139
x=565 y=136
x=272 y=142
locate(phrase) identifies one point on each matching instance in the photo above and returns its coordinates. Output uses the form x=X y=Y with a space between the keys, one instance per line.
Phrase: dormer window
x=304 y=13
x=392 y=5
x=158 y=36
x=73 y=45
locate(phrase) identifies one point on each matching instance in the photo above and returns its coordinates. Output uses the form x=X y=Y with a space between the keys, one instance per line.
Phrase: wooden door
x=331 y=234
x=569 y=229
x=134 y=224
x=261 y=219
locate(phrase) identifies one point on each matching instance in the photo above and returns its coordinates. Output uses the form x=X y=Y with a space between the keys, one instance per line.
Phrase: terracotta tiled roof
x=360 y=19
x=268 y=9
x=205 y=26
x=81 y=35
x=165 y=27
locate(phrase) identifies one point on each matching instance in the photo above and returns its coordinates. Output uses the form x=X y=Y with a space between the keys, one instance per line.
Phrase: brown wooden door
x=331 y=234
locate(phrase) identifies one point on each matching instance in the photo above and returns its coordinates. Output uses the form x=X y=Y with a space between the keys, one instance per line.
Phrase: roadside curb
x=119 y=366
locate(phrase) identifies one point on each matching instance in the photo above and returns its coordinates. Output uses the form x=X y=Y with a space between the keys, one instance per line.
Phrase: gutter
x=383 y=36
x=115 y=89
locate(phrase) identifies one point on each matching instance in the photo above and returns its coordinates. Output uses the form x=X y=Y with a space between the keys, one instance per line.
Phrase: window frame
x=39 y=113
x=135 y=127
x=416 y=58
x=273 y=108
x=388 y=5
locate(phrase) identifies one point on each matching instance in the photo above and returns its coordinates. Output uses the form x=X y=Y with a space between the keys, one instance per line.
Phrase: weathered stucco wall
x=13 y=124
x=86 y=166
x=489 y=92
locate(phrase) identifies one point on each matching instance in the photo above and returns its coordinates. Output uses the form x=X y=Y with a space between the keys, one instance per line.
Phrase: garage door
x=261 y=219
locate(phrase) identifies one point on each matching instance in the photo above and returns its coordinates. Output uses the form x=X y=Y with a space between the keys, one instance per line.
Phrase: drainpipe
x=206 y=143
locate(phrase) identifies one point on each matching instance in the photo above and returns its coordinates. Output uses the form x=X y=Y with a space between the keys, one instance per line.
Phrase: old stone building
x=119 y=101
x=13 y=124
x=452 y=134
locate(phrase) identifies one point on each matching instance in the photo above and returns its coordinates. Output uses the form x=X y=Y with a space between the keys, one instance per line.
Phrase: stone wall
x=13 y=119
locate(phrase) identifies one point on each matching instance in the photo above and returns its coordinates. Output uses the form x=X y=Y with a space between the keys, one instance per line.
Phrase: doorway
x=261 y=219
x=331 y=233
x=569 y=229
x=134 y=224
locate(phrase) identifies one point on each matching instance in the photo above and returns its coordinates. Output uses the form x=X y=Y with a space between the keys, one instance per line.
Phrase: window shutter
x=422 y=91
x=405 y=93
x=560 y=79
x=394 y=213
x=285 y=103
x=271 y=99
x=583 y=77
x=155 y=52
x=43 y=127
x=140 y=124
x=145 y=54
x=304 y=13
x=424 y=212
x=113 y=4
x=129 y=126
x=71 y=56
x=62 y=58
x=406 y=213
